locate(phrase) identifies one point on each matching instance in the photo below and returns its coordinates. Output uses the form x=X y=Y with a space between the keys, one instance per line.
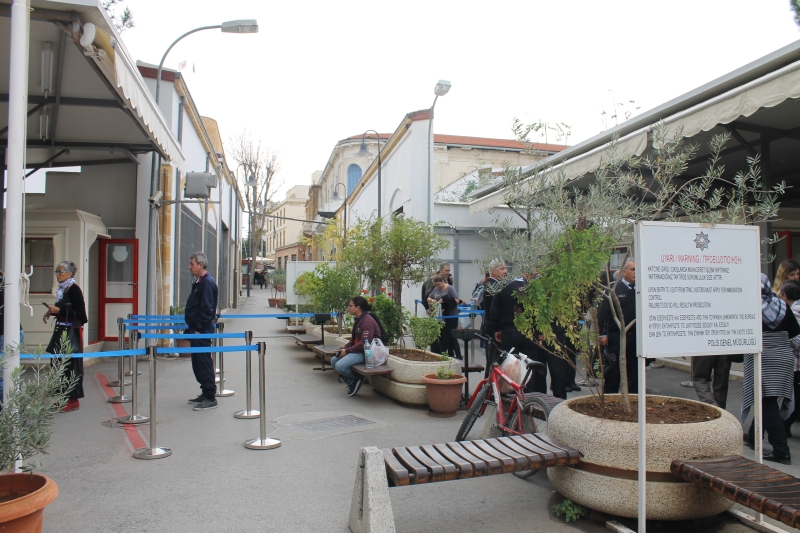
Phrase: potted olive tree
x=444 y=390
x=278 y=286
x=572 y=227
x=25 y=429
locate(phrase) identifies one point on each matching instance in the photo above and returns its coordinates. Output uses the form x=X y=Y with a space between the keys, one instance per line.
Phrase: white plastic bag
x=380 y=353
x=515 y=370
x=464 y=322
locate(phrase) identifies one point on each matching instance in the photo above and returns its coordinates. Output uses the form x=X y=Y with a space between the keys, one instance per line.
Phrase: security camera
x=155 y=200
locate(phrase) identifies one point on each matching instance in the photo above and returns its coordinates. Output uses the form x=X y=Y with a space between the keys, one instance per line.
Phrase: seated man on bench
x=353 y=351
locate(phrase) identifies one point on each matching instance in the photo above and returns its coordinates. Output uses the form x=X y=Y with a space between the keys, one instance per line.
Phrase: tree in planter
x=386 y=309
x=337 y=286
x=278 y=281
x=398 y=250
x=424 y=331
x=572 y=231
x=31 y=406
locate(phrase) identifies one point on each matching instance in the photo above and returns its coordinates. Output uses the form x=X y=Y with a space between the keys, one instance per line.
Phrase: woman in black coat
x=70 y=316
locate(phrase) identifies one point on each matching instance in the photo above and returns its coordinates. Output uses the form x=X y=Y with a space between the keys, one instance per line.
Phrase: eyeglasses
x=60 y=271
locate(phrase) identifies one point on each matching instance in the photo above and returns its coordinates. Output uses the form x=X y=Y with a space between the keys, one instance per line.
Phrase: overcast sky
x=321 y=71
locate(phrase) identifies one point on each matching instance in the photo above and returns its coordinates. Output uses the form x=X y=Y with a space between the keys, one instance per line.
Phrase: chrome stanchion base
x=247 y=414
x=152 y=453
x=134 y=419
x=120 y=399
x=115 y=383
x=224 y=392
x=266 y=444
x=129 y=373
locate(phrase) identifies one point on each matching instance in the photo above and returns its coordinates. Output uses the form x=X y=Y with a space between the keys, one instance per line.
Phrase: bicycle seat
x=536 y=366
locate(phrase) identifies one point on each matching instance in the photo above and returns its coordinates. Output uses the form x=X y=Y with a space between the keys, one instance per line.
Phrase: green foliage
x=387 y=311
x=31 y=406
x=444 y=373
x=795 y=5
x=334 y=288
x=571 y=511
x=278 y=281
x=176 y=310
x=567 y=276
x=307 y=284
x=424 y=331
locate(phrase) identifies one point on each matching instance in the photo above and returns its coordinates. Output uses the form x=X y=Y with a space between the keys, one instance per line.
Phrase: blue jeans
x=342 y=365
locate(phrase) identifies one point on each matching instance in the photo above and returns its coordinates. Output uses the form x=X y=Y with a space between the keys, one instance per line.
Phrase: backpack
x=477 y=294
x=384 y=336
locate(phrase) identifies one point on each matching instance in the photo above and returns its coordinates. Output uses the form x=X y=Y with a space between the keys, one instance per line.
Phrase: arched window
x=353 y=177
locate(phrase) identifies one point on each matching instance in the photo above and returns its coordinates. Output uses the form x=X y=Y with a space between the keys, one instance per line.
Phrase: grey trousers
x=712 y=390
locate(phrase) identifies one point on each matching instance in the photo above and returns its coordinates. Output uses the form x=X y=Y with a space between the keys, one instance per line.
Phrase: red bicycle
x=516 y=412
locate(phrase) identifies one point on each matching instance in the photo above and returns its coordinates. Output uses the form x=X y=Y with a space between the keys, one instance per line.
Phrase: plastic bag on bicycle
x=514 y=369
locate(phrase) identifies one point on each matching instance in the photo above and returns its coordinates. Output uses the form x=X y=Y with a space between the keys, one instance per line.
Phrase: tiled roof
x=460 y=140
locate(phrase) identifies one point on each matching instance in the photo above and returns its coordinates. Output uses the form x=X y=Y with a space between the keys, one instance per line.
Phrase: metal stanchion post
x=153 y=451
x=214 y=356
x=121 y=335
x=262 y=443
x=221 y=390
x=121 y=397
x=134 y=417
x=249 y=412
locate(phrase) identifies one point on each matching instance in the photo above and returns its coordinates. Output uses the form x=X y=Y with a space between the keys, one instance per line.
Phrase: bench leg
x=371 y=509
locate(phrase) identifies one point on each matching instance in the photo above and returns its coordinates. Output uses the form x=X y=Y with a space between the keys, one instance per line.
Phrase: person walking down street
x=778 y=326
x=610 y=333
x=69 y=312
x=790 y=292
x=447 y=296
x=505 y=308
x=353 y=351
x=201 y=308
x=493 y=285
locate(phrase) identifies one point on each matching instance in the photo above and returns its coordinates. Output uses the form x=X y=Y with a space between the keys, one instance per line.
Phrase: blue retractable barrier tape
x=241 y=335
x=143 y=328
x=282 y=315
x=115 y=353
x=210 y=349
x=145 y=321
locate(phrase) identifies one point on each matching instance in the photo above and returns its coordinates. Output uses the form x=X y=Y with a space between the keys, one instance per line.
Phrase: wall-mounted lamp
x=47 y=68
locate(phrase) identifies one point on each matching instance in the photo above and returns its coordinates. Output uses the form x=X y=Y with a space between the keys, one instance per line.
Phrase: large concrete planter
x=405 y=384
x=606 y=477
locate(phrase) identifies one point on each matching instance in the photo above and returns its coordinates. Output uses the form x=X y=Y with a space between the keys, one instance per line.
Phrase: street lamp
x=231 y=26
x=364 y=152
x=441 y=89
x=344 y=201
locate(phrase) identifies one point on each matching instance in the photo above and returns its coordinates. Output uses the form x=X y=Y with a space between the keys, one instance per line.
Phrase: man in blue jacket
x=201 y=307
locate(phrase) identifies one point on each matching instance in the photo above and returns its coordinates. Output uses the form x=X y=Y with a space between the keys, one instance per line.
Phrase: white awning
x=743 y=101
x=630 y=145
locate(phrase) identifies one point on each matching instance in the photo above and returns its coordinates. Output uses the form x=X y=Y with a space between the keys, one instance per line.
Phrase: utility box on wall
x=199 y=185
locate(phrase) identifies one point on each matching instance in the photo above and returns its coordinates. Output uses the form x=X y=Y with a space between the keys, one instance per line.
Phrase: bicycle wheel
x=473 y=413
x=534 y=414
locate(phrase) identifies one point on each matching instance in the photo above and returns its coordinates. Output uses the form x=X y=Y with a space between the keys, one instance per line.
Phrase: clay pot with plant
x=444 y=391
x=25 y=429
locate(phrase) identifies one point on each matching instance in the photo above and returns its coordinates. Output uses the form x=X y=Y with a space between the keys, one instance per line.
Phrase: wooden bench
x=307 y=340
x=323 y=351
x=371 y=509
x=761 y=488
x=299 y=330
x=380 y=370
x=472 y=368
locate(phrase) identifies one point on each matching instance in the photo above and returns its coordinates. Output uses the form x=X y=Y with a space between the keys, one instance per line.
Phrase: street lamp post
x=344 y=201
x=441 y=89
x=232 y=26
x=363 y=151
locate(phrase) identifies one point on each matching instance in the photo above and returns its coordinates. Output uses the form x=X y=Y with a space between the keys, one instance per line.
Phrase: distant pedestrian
x=610 y=334
x=353 y=351
x=201 y=308
x=70 y=314
x=447 y=296
x=788 y=270
x=493 y=285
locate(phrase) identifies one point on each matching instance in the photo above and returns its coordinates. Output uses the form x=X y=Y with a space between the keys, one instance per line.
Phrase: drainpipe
x=17 y=118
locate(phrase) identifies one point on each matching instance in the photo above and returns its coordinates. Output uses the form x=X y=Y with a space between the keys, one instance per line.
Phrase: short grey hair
x=623 y=268
x=495 y=264
x=69 y=266
x=199 y=258
x=442 y=265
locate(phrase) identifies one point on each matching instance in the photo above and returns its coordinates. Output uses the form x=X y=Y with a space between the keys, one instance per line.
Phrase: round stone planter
x=406 y=371
x=606 y=477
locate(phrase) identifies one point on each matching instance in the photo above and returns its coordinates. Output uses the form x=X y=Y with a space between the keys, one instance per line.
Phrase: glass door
x=119 y=284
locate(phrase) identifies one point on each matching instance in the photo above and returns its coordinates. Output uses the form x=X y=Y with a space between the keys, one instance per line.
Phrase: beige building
x=282 y=234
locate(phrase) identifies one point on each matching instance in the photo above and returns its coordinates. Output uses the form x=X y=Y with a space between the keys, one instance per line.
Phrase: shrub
x=425 y=331
x=386 y=310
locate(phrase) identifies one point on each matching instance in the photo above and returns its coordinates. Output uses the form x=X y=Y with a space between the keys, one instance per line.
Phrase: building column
x=165 y=240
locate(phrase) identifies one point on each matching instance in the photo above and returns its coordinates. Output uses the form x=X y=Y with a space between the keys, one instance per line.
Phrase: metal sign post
x=262 y=443
x=248 y=412
x=153 y=451
x=698 y=292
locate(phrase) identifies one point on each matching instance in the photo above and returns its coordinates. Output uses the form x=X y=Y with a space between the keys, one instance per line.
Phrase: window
x=294 y=257
x=353 y=177
x=39 y=254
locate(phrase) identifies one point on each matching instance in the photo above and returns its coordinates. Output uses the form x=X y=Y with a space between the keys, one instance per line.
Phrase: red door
x=118 y=284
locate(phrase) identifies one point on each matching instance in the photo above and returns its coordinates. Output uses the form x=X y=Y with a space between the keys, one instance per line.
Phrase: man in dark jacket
x=610 y=332
x=201 y=308
x=492 y=286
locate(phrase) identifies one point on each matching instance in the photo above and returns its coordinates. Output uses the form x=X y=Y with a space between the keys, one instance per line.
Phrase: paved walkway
x=213 y=483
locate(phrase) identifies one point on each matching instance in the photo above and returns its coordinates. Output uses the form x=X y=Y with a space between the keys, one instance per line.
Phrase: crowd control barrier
x=153 y=451
x=249 y=412
x=134 y=417
x=262 y=442
x=120 y=381
x=221 y=390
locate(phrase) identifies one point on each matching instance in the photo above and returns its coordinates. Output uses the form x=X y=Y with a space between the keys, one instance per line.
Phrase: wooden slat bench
x=380 y=370
x=472 y=368
x=307 y=340
x=371 y=510
x=757 y=486
x=299 y=330
x=323 y=351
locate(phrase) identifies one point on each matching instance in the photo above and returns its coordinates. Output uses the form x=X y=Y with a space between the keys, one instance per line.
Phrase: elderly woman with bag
x=70 y=316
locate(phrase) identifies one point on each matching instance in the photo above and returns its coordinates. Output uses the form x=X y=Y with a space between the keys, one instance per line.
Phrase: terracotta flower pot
x=23 y=514
x=444 y=395
x=273 y=302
